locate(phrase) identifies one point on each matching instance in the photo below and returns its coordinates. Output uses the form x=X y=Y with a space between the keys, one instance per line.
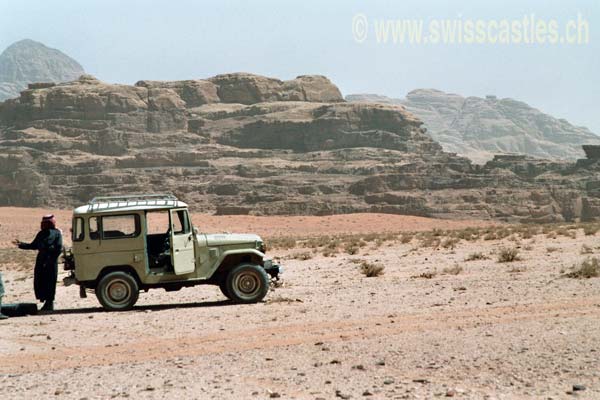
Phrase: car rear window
x=77 y=231
x=120 y=226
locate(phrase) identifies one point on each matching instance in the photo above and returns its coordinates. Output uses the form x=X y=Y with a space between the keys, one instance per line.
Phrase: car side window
x=94 y=228
x=120 y=226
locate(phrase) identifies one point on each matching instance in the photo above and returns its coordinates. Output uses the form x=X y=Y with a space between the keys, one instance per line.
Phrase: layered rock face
x=27 y=61
x=478 y=128
x=241 y=143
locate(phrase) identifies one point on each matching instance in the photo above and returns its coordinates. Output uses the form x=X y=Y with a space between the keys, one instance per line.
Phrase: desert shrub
x=430 y=241
x=563 y=231
x=502 y=233
x=351 y=248
x=589 y=268
x=476 y=256
x=450 y=243
x=508 y=254
x=333 y=244
x=468 y=234
x=406 y=238
x=591 y=229
x=371 y=270
x=551 y=249
x=304 y=255
x=454 y=270
x=490 y=236
x=328 y=252
x=437 y=232
x=426 y=275
x=585 y=249
x=284 y=243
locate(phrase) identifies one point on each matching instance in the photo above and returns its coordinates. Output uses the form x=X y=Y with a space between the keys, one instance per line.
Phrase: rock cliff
x=242 y=143
x=478 y=128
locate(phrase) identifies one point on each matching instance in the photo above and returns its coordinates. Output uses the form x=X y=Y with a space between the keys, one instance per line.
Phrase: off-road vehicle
x=125 y=244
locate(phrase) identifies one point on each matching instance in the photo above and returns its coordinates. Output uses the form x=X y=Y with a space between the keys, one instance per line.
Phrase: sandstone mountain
x=242 y=143
x=478 y=128
x=28 y=61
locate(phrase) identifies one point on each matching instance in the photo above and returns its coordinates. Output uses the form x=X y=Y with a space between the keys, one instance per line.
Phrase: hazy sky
x=126 y=41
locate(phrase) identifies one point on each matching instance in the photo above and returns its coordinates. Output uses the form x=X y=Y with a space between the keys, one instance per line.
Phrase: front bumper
x=274 y=270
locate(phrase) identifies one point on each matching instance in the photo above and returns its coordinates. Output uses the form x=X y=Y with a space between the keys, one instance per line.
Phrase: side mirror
x=195 y=230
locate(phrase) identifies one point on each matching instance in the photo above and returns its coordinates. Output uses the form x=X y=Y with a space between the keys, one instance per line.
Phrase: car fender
x=233 y=252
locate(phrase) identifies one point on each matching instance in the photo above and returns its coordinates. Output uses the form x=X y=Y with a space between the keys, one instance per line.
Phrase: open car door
x=182 y=242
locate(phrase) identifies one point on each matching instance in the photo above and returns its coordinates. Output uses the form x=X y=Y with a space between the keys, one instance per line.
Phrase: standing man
x=48 y=243
x=2 y=316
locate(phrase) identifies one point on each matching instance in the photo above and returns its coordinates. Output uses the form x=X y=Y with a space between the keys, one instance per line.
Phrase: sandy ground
x=519 y=330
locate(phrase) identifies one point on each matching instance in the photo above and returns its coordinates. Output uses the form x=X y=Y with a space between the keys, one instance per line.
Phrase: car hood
x=222 y=239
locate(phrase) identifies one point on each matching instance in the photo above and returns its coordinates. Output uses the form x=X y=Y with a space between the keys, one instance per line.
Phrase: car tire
x=247 y=283
x=117 y=291
x=223 y=287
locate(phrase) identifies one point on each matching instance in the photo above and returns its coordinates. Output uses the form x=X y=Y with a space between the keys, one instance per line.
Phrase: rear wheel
x=247 y=283
x=117 y=291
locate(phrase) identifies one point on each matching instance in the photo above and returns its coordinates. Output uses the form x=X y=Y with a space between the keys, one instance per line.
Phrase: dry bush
x=351 y=248
x=490 y=236
x=327 y=252
x=450 y=243
x=469 y=234
x=552 y=249
x=315 y=242
x=284 y=243
x=476 y=256
x=406 y=238
x=589 y=268
x=333 y=244
x=508 y=254
x=303 y=256
x=527 y=231
x=454 y=270
x=430 y=241
x=591 y=229
x=564 y=231
x=425 y=275
x=371 y=270
x=585 y=249
x=437 y=232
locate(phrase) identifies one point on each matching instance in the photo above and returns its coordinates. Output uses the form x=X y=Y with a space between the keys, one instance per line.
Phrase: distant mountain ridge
x=28 y=61
x=478 y=128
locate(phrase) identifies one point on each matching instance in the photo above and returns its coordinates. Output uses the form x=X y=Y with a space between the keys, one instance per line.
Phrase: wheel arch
x=234 y=258
x=114 y=268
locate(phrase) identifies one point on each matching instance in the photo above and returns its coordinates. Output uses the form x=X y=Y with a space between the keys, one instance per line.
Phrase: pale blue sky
x=125 y=41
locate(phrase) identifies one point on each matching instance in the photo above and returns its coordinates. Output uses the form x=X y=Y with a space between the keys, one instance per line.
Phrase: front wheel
x=247 y=283
x=223 y=287
x=117 y=291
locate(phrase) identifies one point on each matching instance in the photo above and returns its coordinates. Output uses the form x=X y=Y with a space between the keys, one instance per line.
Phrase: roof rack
x=133 y=200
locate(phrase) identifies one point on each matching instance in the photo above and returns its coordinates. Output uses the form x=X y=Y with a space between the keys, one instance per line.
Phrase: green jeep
x=125 y=244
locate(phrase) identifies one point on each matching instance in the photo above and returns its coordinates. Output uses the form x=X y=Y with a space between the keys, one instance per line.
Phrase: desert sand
x=432 y=325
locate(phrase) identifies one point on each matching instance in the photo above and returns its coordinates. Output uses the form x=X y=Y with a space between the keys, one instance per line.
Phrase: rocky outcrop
x=27 y=61
x=478 y=128
x=246 y=144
